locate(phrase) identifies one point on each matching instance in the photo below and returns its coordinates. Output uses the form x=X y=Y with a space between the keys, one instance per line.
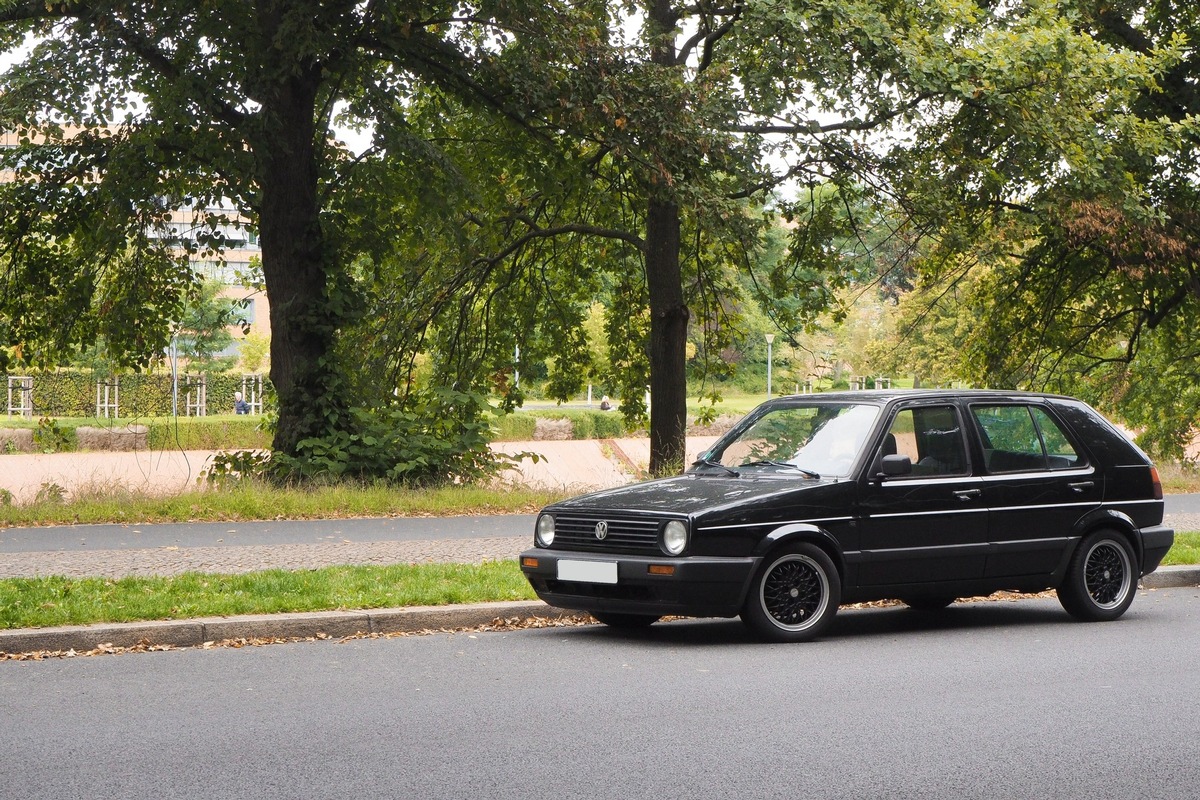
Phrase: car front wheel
x=1100 y=581
x=794 y=595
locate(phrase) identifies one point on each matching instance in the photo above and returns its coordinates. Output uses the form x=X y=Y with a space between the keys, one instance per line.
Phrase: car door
x=930 y=524
x=1038 y=484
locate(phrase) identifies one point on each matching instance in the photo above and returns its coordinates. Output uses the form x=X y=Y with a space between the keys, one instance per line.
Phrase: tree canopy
x=528 y=159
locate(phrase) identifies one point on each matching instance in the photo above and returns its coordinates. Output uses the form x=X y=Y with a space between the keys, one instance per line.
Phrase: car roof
x=888 y=395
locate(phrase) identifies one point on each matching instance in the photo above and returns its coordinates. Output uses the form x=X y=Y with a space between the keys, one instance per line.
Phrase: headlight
x=544 y=536
x=675 y=537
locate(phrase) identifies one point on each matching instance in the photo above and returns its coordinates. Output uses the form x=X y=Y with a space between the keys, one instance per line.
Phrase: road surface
x=987 y=700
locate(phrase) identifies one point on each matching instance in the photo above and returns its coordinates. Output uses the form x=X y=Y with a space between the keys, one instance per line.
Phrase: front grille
x=624 y=535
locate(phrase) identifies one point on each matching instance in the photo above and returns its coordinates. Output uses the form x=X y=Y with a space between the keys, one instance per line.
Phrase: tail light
x=1158 y=493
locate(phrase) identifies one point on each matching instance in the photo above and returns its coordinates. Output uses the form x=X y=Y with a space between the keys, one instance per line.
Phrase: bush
x=518 y=427
x=436 y=438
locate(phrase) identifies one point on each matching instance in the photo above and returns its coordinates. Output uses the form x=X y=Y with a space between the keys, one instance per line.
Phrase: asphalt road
x=67 y=538
x=988 y=700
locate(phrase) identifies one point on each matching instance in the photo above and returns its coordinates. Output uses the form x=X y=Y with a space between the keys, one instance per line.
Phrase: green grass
x=1186 y=550
x=53 y=601
x=263 y=502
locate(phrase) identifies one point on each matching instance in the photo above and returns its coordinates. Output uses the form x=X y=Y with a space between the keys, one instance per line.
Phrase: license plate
x=588 y=571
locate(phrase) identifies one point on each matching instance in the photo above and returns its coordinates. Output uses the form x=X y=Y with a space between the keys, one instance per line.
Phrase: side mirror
x=894 y=466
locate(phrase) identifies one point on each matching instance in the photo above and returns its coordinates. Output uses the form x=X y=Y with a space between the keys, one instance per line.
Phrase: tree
x=1077 y=211
x=203 y=329
x=122 y=104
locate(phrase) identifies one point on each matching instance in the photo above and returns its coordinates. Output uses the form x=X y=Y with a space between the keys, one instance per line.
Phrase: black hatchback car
x=817 y=500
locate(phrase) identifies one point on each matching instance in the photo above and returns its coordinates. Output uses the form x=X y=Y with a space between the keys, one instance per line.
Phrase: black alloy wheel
x=1101 y=580
x=794 y=596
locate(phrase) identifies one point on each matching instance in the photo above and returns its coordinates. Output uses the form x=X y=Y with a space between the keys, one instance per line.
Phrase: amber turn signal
x=661 y=569
x=529 y=561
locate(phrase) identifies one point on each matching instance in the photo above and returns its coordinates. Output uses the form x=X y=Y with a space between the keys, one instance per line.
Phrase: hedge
x=72 y=393
x=585 y=423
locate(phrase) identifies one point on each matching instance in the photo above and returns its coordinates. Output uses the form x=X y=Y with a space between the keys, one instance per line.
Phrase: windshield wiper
x=708 y=462
x=766 y=462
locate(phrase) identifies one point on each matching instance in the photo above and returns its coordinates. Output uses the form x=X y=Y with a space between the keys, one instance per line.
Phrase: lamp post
x=770 y=340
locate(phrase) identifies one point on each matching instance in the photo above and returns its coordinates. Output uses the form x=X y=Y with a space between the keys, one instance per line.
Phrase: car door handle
x=967 y=494
x=1082 y=486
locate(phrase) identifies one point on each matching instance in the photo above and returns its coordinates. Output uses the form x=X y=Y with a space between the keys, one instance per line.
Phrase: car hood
x=705 y=496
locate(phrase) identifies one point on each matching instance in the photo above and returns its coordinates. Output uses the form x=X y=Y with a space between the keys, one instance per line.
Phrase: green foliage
x=516 y=427
x=72 y=393
x=50 y=438
x=202 y=331
x=437 y=437
x=254 y=352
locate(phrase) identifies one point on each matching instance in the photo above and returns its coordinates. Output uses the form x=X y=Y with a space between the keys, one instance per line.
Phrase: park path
x=574 y=465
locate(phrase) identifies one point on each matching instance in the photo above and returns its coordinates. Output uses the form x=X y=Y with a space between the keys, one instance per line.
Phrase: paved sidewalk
x=576 y=464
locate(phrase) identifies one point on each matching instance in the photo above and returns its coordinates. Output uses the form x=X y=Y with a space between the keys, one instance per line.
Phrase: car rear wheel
x=1100 y=581
x=624 y=620
x=794 y=595
x=927 y=603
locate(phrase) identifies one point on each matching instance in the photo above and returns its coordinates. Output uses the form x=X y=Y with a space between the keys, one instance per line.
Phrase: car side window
x=1020 y=438
x=1060 y=454
x=931 y=437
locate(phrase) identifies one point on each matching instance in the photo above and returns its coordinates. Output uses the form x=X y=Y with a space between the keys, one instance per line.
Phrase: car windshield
x=822 y=439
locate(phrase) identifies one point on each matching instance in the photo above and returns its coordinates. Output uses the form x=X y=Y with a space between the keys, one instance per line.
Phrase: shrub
x=437 y=437
x=50 y=438
x=517 y=427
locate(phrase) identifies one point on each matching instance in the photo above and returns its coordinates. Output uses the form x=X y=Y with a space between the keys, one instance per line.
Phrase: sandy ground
x=582 y=465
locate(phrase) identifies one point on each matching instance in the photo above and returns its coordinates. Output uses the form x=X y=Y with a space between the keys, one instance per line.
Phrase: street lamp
x=770 y=340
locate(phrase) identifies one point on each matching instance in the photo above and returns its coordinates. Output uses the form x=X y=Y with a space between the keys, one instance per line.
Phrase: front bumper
x=698 y=587
x=1156 y=541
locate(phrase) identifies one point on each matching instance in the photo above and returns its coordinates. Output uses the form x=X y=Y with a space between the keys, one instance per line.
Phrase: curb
x=323 y=624
x=338 y=624
x=1172 y=577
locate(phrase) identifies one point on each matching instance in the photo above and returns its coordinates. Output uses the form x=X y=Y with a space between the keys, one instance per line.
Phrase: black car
x=816 y=500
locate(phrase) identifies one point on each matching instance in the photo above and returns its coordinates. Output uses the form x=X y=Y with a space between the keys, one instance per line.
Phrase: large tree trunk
x=295 y=263
x=668 y=340
x=664 y=283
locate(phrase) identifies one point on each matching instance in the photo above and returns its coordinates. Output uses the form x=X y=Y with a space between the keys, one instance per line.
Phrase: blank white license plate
x=588 y=571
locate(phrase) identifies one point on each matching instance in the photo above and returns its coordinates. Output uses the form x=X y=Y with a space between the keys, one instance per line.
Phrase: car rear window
x=1020 y=438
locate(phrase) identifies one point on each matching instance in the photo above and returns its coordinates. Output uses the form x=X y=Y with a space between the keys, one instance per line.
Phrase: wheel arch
x=1108 y=519
x=796 y=532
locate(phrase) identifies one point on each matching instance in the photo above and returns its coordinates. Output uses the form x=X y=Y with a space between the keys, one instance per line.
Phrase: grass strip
x=56 y=600
x=1185 y=550
x=254 y=501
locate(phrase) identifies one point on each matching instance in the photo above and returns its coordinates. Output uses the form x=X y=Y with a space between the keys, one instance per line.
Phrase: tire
x=626 y=621
x=1101 y=579
x=794 y=595
x=927 y=603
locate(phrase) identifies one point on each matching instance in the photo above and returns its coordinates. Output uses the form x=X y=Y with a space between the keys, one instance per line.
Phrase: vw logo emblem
x=601 y=530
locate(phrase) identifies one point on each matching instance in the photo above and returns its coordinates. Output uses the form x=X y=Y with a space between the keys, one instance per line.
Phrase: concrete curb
x=332 y=624
x=338 y=624
x=1172 y=577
